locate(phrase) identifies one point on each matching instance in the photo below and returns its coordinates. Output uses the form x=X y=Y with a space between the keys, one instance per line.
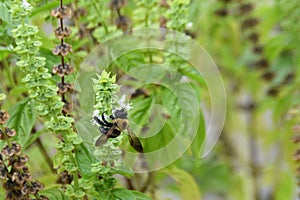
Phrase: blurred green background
x=256 y=46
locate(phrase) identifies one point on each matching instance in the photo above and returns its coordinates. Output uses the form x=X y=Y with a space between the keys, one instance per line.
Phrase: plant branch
x=45 y=154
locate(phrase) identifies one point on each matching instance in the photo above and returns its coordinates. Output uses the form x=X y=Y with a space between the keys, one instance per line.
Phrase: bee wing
x=134 y=141
x=101 y=140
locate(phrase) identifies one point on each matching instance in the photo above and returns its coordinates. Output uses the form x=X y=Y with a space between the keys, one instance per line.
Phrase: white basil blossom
x=189 y=25
x=95 y=114
x=123 y=105
x=26 y=4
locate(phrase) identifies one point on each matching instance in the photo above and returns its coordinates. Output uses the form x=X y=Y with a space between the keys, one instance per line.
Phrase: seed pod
x=68 y=107
x=296 y=129
x=80 y=12
x=10 y=132
x=297 y=155
x=65 y=178
x=61 y=70
x=62 y=49
x=64 y=87
x=117 y=4
x=273 y=91
x=63 y=12
x=62 y=33
x=246 y=8
x=288 y=78
x=222 y=12
x=163 y=22
x=258 y=49
x=164 y=3
x=261 y=63
x=268 y=76
x=249 y=23
x=3 y=116
x=296 y=139
x=123 y=23
x=253 y=37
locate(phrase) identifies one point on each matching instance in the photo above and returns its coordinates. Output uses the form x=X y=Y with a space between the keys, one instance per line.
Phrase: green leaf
x=57 y=159
x=123 y=194
x=107 y=196
x=22 y=118
x=187 y=185
x=125 y=171
x=139 y=195
x=140 y=110
x=87 y=132
x=182 y=103
x=199 y=138
x=33 y=137
x=4 y=13
x=54 y=193
x=286 y=186
x=160 y=140
x=5 y=51
x=68 y=147
x=130 y=60
x=192 y=73
x=83 y=158
x=19 y=89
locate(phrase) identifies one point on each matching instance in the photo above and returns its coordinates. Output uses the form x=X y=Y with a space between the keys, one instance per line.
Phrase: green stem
x=75 y=179
x=8 y=73
x=37 y=196
x=146 y=19
x=6 y=138
x=75 y=174
x=102 y=21
x=45 y=154
x=71 y=156
x=150 y=57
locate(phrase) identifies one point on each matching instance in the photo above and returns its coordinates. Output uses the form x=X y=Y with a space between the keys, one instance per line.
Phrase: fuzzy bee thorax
x=122 y=124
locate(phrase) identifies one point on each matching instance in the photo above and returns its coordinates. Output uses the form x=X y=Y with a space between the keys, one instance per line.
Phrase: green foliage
x=22 y=118
x=146 y=14
x=176 y=15
x=4 y=12
x=188 y=187
x=43 y=92
x=254 y=152
x=54 y=193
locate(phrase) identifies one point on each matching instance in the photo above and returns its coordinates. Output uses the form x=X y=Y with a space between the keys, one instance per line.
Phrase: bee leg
x=105 y=121
x=103 y=130
x=99 y=121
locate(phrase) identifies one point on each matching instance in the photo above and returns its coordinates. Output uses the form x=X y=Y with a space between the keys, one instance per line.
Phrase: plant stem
x=8 y=73
x=253 y=151
x=129 y=184
x=102 y=21
x=45 y=154
x=147 y=182
x=6 y=138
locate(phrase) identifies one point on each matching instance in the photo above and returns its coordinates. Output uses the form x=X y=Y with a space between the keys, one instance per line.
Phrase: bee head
x=121 y=114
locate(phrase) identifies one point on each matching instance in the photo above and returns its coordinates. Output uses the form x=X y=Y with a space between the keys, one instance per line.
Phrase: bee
x=114 y=128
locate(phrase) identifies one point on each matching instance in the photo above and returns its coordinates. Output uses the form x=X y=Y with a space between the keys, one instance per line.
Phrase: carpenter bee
x=114 y=128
